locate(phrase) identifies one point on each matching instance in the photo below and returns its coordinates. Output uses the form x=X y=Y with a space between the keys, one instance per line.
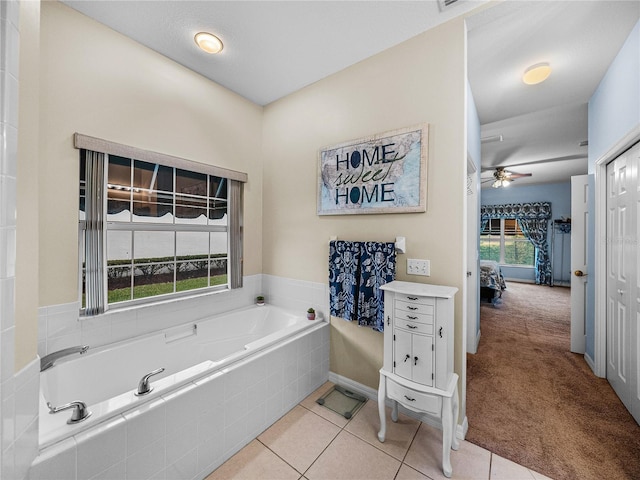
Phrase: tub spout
x=143 y=387
x=79 y=414
x=49 y=361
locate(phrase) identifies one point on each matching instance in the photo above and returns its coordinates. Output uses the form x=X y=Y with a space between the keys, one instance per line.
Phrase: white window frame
x=502 y=246
x=234 y=227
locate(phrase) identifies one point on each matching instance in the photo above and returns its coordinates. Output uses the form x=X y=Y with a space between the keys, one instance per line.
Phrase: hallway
x=531 y=400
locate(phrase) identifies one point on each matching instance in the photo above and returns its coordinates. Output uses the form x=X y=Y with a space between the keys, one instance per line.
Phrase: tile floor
x=313 y=443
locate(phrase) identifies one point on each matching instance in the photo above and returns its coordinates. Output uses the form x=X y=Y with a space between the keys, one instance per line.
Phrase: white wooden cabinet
x=417 y=370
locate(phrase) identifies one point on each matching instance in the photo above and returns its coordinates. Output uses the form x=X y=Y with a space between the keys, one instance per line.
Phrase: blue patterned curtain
x=356 y=272
x=533 y=219
x=535 y=229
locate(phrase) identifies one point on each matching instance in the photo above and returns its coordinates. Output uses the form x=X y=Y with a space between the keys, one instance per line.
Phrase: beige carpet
x=531 y=400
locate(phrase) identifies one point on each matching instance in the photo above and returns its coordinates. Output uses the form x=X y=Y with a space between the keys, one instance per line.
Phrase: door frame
x=599 y=362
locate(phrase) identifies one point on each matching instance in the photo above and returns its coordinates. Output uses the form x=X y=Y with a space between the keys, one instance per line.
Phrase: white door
x=623 y=292
x=579 y=274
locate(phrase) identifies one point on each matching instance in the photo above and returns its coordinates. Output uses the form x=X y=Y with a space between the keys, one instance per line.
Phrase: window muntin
x=503 y=241
x=166 y=230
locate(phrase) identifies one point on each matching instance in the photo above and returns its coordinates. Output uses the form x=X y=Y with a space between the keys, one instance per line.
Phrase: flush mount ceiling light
x=208 y=42
x=537 y=73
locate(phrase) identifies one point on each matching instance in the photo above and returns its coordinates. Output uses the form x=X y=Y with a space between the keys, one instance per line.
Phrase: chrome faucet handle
x=143 y=387
x=80 y=411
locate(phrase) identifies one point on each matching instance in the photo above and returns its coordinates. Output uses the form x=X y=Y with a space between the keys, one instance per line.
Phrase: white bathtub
x=255 y=356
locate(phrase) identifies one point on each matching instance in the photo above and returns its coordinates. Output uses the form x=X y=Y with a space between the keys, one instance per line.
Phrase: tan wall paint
x=100 y=83
x=27 y=189
x=421 y=80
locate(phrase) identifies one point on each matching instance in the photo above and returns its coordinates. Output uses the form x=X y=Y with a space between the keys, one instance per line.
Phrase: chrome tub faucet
x=143 y=387
x=49 y=361
x=80 y=411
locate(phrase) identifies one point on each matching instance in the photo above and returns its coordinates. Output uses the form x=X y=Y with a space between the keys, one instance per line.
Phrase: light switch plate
x=418 y=267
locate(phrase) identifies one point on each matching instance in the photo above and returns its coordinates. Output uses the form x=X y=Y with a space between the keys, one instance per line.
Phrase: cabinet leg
x=381 y=408
x=447 y=424
x=394 y=411
x=456 y=407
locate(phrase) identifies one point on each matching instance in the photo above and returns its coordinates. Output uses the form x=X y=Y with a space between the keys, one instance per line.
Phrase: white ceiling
x=273 y=48
x=542 y=125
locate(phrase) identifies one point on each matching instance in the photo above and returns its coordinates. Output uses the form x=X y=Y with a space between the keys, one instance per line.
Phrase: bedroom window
x=150 y=230
x=503 y=241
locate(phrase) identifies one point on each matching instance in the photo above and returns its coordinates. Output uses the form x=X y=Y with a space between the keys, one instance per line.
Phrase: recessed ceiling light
x=536 y=73
x=208 y=42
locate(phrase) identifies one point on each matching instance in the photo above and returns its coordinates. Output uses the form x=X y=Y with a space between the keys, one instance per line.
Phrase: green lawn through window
x=150 y=290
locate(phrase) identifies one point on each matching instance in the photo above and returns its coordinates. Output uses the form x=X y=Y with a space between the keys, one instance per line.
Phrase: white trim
x=113 y=148
x=590 y=362
x=477 y=343
x=372 y=394
x=519 y=280
x=599 y=362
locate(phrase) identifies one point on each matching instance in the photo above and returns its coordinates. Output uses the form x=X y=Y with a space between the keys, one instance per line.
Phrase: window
x=502 y=240
x=149 y=229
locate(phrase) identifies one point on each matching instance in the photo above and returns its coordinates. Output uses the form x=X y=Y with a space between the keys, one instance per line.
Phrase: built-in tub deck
x=248 y=366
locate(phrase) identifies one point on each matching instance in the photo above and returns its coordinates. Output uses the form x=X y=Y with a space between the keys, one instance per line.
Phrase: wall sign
x=384 y=173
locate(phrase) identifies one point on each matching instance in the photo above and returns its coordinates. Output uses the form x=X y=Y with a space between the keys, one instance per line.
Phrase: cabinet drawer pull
x=412 y=298
x=415 y=361
x=410 y=399
x=411 y=317
x=412 y=308
x=407 y=357
x=411 y=326
x=440 y=332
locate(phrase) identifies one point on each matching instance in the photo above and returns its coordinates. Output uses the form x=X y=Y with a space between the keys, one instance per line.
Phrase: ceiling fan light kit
x=502 y=177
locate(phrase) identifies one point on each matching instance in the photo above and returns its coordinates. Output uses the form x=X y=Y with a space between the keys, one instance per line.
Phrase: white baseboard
x=372 y=394
x=591 y=363
x=476 y=342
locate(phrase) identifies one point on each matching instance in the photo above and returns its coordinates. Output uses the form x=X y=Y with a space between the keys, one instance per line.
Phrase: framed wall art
x=383 y=173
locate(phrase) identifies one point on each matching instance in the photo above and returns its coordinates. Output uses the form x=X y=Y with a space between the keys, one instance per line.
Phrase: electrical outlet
x=418 y=267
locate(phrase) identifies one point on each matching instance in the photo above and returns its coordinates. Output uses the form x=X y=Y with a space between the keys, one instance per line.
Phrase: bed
x=491 y=281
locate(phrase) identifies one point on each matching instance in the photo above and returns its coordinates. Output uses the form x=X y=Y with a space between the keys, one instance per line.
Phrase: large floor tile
x=470 y=462
x=324 y=412
x=350 y=458
x=504 y=469
x=408 y=473
x=255 y=461
x=399 y=435
x=299 y=437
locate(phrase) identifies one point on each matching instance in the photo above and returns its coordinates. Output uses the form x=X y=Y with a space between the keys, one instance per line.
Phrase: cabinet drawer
x=415 y=307
x=413 y=399
x=415 y=327
x=402 y=316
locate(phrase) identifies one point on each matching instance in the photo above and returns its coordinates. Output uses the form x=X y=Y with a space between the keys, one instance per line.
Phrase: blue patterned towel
x=344 y=259
x=377 y=267
x=356 y=272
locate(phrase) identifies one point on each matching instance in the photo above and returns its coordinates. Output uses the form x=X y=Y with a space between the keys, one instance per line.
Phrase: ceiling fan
x=502 y=177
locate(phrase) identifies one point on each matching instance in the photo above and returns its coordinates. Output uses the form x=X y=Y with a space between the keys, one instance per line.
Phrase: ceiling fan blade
x=518 y=175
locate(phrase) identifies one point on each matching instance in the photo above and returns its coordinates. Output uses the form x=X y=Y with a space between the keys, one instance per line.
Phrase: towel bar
x=400 y=243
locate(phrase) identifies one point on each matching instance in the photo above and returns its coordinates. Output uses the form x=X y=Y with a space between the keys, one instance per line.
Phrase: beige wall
x=100 y=83
x=421 y=80
x=27 y=188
